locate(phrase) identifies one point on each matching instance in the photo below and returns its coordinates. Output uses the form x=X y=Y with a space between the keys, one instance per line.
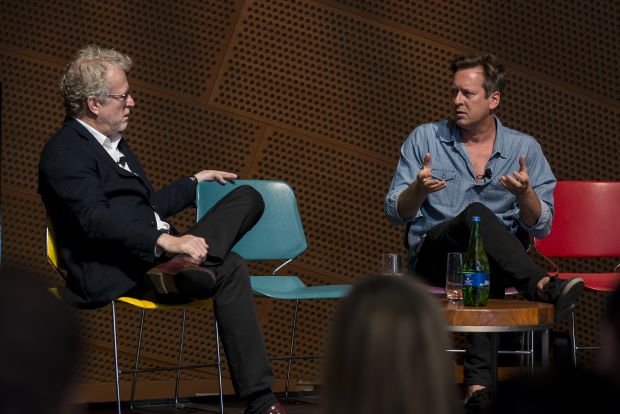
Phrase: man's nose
x=130 y=102
x=457 y=98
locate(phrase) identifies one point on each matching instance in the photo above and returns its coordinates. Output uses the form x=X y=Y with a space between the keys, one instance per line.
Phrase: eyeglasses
x=121 y=96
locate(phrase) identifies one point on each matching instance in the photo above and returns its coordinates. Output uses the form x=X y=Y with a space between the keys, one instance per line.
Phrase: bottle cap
x=475 y=219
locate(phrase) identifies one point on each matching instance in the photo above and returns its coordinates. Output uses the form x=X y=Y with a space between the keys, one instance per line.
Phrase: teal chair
x=278 y=235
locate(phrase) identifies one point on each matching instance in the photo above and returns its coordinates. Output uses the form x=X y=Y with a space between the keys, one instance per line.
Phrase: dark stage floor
x=298 y=405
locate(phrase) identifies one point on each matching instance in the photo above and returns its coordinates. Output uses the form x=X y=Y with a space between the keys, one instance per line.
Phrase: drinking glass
x=391 y=264
x=454 y=277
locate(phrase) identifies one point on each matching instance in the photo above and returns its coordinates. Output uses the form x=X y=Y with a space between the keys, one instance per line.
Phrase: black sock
x=260 y=401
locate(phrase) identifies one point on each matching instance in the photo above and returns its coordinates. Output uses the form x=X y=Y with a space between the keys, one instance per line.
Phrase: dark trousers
x=233 y=303
x=510 y=266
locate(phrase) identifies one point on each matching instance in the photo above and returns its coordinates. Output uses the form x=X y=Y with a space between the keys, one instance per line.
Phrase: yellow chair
x=144 y=305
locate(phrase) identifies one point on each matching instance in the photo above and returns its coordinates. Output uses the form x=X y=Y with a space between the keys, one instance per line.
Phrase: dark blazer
x=102 y=214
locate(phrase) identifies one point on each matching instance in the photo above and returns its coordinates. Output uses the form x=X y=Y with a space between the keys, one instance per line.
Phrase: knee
x=236 y=264
x=235 y=259
x=480 y=210
x=252 y=196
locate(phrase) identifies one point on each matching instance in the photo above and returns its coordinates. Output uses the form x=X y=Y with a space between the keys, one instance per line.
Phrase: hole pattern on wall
x=189 y=140
x=176 y=47
x=23 y=235
x=332 y=75
x=570 y=42
x=30 y=94
x=573 y=131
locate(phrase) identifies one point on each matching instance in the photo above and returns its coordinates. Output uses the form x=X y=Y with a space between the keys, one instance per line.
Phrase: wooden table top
x=499 y=313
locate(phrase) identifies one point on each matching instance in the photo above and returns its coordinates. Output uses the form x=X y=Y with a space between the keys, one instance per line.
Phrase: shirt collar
x=110 y=143
x=499 y=146
x=451 y=133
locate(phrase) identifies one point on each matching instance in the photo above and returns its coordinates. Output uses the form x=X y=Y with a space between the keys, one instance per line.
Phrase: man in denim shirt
x=468 y=166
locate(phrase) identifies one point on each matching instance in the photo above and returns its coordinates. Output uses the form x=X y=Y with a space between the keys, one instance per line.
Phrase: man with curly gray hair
x=86 y=76
x=111 y=230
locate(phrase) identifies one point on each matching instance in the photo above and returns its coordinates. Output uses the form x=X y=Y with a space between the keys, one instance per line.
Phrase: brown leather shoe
x=162 y=276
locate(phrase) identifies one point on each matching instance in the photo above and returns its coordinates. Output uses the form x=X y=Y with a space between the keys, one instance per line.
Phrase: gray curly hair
x=85 y=76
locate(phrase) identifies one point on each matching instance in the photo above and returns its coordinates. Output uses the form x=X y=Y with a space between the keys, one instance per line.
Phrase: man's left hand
x=219 y=176
x=518 y=184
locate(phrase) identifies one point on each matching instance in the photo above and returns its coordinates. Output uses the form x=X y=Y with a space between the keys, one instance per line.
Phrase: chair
x=278 y=235
x=586 y=223
x=144 y=305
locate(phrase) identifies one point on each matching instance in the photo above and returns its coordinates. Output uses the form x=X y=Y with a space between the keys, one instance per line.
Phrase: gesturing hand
x=425 y=179
x=521 y=181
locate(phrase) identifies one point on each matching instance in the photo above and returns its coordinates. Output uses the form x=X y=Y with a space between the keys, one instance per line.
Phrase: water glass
x=454 y=277
x=391 y=264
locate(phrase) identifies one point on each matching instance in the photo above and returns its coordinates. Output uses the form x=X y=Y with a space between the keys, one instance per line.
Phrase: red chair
x=586 y=223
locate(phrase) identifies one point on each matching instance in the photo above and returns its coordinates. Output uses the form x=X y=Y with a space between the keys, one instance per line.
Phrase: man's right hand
x=425 y=181
x=195 y=248
x=410 y=200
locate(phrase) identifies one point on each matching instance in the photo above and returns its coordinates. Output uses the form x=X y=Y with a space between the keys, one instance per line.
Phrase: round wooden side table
x=503 y=315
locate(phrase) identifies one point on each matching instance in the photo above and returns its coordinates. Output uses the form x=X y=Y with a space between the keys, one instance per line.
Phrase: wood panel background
x=320 y=93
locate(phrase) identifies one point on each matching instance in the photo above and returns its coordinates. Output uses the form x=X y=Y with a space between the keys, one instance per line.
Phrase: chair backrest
x=586 y=221
x=53 y=256
x=278 y=235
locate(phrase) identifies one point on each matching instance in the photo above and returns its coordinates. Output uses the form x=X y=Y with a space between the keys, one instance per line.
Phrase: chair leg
x=134 y=377
x=116 y=370
x=524 y=357
x=532 y=355
x=292 y=350
x=180 y=360
x=219 y=367
x=573 y=338
x=544 y=349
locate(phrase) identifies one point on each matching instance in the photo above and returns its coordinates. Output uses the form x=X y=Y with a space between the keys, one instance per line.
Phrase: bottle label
x=479 y=279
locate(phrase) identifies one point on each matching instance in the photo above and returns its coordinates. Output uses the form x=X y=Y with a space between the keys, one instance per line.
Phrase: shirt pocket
x=450 y=194
x=499 y=200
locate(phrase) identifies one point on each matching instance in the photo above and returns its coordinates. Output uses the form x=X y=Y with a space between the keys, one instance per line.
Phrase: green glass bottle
x=476 y=275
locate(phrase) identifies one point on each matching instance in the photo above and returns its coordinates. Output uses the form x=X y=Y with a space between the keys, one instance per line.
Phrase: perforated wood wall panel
x=319 y=93
x=564 y=42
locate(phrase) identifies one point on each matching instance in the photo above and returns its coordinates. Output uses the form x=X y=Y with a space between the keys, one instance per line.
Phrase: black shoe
x=478 y=402
x=562 y=293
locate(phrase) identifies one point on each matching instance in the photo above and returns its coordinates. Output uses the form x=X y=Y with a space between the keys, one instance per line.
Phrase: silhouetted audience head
x=39 y=346
x=387 y=352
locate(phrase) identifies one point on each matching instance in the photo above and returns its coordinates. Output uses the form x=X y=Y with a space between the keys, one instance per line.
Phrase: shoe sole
x=163 y=283
x=568 y=296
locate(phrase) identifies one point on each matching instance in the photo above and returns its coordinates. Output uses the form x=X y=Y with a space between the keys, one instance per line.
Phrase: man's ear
x=494 y=99
x=93 y=105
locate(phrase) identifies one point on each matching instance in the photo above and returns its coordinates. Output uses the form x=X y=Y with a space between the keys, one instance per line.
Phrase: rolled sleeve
x=543 y=182
x=543 y=226
x=408 y=166
x=390 y=206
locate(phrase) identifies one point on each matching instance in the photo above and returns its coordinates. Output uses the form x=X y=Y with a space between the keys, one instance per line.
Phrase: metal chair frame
x=144 y=305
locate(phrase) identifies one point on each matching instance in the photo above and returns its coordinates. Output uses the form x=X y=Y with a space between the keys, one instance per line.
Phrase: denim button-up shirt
x=450 y=162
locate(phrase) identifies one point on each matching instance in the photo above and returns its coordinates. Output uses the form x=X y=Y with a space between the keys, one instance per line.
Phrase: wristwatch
x=193 y=179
